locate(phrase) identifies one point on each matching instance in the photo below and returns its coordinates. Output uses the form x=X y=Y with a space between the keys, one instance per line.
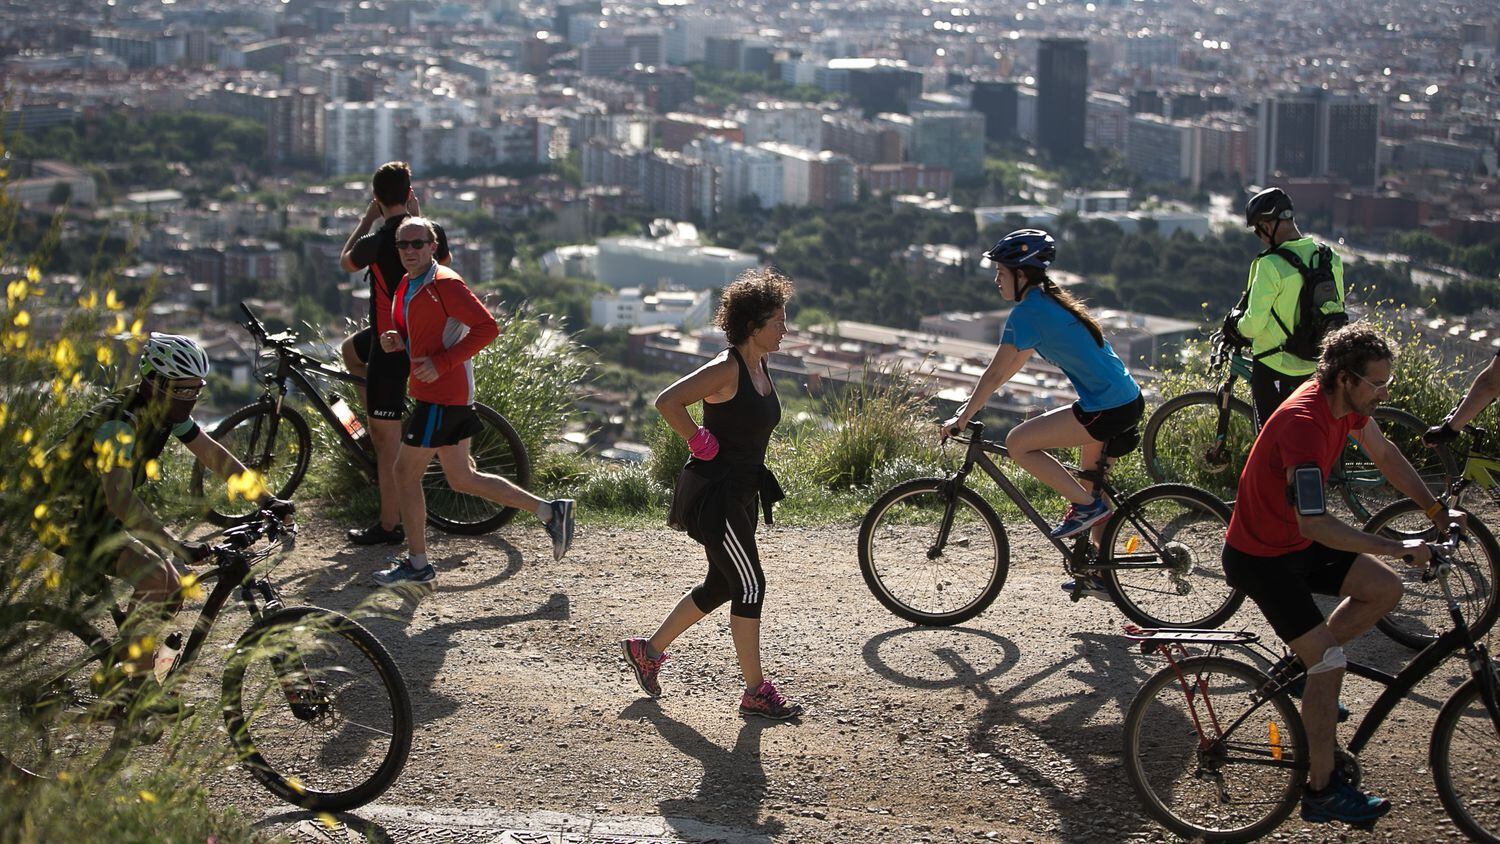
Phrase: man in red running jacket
x=442 y=325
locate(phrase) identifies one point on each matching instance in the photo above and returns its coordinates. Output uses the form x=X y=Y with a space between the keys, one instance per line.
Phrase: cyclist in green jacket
x=1272 y=302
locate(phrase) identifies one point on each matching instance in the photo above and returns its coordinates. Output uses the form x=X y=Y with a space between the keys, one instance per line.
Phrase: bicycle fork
x=303 y=693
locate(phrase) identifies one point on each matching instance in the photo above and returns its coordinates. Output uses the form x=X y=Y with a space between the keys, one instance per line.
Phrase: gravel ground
x=1007 y=728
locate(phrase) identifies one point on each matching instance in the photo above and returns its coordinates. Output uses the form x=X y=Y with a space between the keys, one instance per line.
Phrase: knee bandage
x=1333 y=660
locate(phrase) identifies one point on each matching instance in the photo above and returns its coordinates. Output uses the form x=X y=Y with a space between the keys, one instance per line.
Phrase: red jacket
x=446 y=323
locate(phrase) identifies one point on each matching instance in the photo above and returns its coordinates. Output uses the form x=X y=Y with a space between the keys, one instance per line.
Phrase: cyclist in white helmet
x=98 y=465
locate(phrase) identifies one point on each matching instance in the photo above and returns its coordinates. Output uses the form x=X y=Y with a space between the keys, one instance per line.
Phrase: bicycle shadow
x=1066 y=724
x=303 y=825
x=733 y=786
x=942 y=677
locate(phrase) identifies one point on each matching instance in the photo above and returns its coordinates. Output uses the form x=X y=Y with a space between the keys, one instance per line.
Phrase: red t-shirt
x=1302 y=430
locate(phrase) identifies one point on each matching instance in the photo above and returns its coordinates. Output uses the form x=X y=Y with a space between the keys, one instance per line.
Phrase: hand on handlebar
x=949 y=427
x=194 y=553
x=1439 y=434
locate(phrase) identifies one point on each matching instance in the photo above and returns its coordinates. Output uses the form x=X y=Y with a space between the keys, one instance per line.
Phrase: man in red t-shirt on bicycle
x=1283 y=545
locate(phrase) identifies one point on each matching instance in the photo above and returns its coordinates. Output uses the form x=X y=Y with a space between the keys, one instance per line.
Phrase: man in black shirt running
x=385 y=373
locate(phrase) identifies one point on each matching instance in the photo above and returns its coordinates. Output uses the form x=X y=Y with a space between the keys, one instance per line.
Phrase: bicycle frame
x=1078 y=556
x=1397 y=686
x=293 y=366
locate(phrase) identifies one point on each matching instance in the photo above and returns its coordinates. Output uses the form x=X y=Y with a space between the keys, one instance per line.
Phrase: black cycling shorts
x=1105 y=425
x=385 y=381
x=1283 y=586
x=439 y=425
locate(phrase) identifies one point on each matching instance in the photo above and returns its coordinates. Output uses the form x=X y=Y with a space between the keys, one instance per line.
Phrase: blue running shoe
x=402 y=572
x=560 y=527
x=1341 y=801
x=1081 y=517
x=1088 y=586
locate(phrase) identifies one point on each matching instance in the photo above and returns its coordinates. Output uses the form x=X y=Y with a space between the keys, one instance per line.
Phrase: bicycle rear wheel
x=914 y=577
x=1180 y=442
x=1422 y=614
x=1198 y=768
x=317 y=710
x=278 y=445
x=1465 y=744
x=496 y=450
x=1366 y=490
x=1168 y=540
x=53 y=718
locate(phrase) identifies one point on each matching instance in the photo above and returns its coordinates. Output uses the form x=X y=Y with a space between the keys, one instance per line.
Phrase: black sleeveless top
x=743 y=425
x=707 y=489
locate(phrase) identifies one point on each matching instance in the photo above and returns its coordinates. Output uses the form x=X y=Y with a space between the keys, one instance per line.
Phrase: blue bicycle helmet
x=1024 y=248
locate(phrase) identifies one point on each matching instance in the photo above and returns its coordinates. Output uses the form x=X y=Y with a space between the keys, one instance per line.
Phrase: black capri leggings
x=734 y=572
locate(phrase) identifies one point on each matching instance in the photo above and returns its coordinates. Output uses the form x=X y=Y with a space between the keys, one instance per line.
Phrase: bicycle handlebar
x=264 y=524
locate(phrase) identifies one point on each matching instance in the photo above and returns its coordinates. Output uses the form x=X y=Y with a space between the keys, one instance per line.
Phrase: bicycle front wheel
x=1166 y=545
x=1422 y=614
x=1366 y=490
x=53 y=717
x=317 y=710
x=277 y=445
x=1180 y=442
x=1465 y=744
x=919 y=579
x=1201 y=765
x=496 y=450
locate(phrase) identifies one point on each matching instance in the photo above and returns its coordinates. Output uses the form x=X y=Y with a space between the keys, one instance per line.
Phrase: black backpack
x=1305 y=338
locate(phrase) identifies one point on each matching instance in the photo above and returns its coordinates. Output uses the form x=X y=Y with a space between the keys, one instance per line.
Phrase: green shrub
x=530 y=374
x=668 y=450
x=880 y=420
x=624 y=487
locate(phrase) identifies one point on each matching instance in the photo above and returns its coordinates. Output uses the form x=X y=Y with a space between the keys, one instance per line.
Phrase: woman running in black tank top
x=729 y=483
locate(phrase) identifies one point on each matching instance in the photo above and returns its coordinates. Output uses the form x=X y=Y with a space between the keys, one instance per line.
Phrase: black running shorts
x=439 y=425
x=1283 y=587
x=385 y=382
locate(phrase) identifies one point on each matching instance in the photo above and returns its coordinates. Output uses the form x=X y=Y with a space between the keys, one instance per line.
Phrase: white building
x=629 y=306
x=796 y=124
x=744 y=171
x=634 y=261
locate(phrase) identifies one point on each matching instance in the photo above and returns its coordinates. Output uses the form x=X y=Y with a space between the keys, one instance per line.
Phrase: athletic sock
x=417 y=561
x=544 y=512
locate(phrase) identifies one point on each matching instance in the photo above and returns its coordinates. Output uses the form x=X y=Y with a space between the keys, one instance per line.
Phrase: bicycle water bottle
x=347 y=418
x=166 y=656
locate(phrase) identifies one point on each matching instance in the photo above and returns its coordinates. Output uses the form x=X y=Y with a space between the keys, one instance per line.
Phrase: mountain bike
x=1215 y=749
x=314 y=707
x=272 y=438
x=1203 y=437
x=934 y=552
x=1420 y=616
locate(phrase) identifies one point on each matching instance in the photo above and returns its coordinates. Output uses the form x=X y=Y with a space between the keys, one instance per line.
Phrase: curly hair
x=750 y=302
x=1351 y=349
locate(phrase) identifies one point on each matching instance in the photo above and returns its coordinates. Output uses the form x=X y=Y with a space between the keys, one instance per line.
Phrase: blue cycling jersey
x=1039 y=322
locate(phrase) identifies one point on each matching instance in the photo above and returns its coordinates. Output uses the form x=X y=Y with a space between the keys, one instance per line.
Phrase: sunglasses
x=180 y=393
x=404 y=245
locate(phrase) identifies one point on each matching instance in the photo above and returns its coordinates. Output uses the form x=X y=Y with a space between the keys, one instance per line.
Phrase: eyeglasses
x=190 y=393
x=404 y=245
x=1378 y=385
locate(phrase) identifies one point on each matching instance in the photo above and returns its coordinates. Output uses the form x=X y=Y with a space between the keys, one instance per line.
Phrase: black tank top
x=743 y=425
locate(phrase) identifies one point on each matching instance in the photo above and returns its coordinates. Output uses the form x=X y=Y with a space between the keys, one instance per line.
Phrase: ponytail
x=1037 y=277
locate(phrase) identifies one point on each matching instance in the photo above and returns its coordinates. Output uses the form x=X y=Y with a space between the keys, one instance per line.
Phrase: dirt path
x=1007 y=728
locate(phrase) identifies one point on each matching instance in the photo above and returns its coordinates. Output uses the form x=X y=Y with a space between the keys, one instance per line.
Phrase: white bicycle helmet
x=173 y=356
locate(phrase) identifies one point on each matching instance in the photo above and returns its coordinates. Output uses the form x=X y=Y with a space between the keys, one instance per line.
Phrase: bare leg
x=682 y=616
x=465 y=477
x=355 y=367
x=1370 y=590
x=385 y=435
x=746 y=634
x=1319 y=703
x=156 y=584
x=1054 y=429
x=411 y=464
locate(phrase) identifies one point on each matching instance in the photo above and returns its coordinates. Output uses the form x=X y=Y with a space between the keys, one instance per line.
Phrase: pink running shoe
x=766 y=702
x=637 y=655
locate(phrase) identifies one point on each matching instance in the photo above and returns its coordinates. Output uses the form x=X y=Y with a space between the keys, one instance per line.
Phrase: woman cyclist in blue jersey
x=1048 y=320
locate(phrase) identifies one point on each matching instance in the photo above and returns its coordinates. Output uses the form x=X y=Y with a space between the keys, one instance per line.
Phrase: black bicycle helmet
x=1024 y=248
x=1269 y=204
